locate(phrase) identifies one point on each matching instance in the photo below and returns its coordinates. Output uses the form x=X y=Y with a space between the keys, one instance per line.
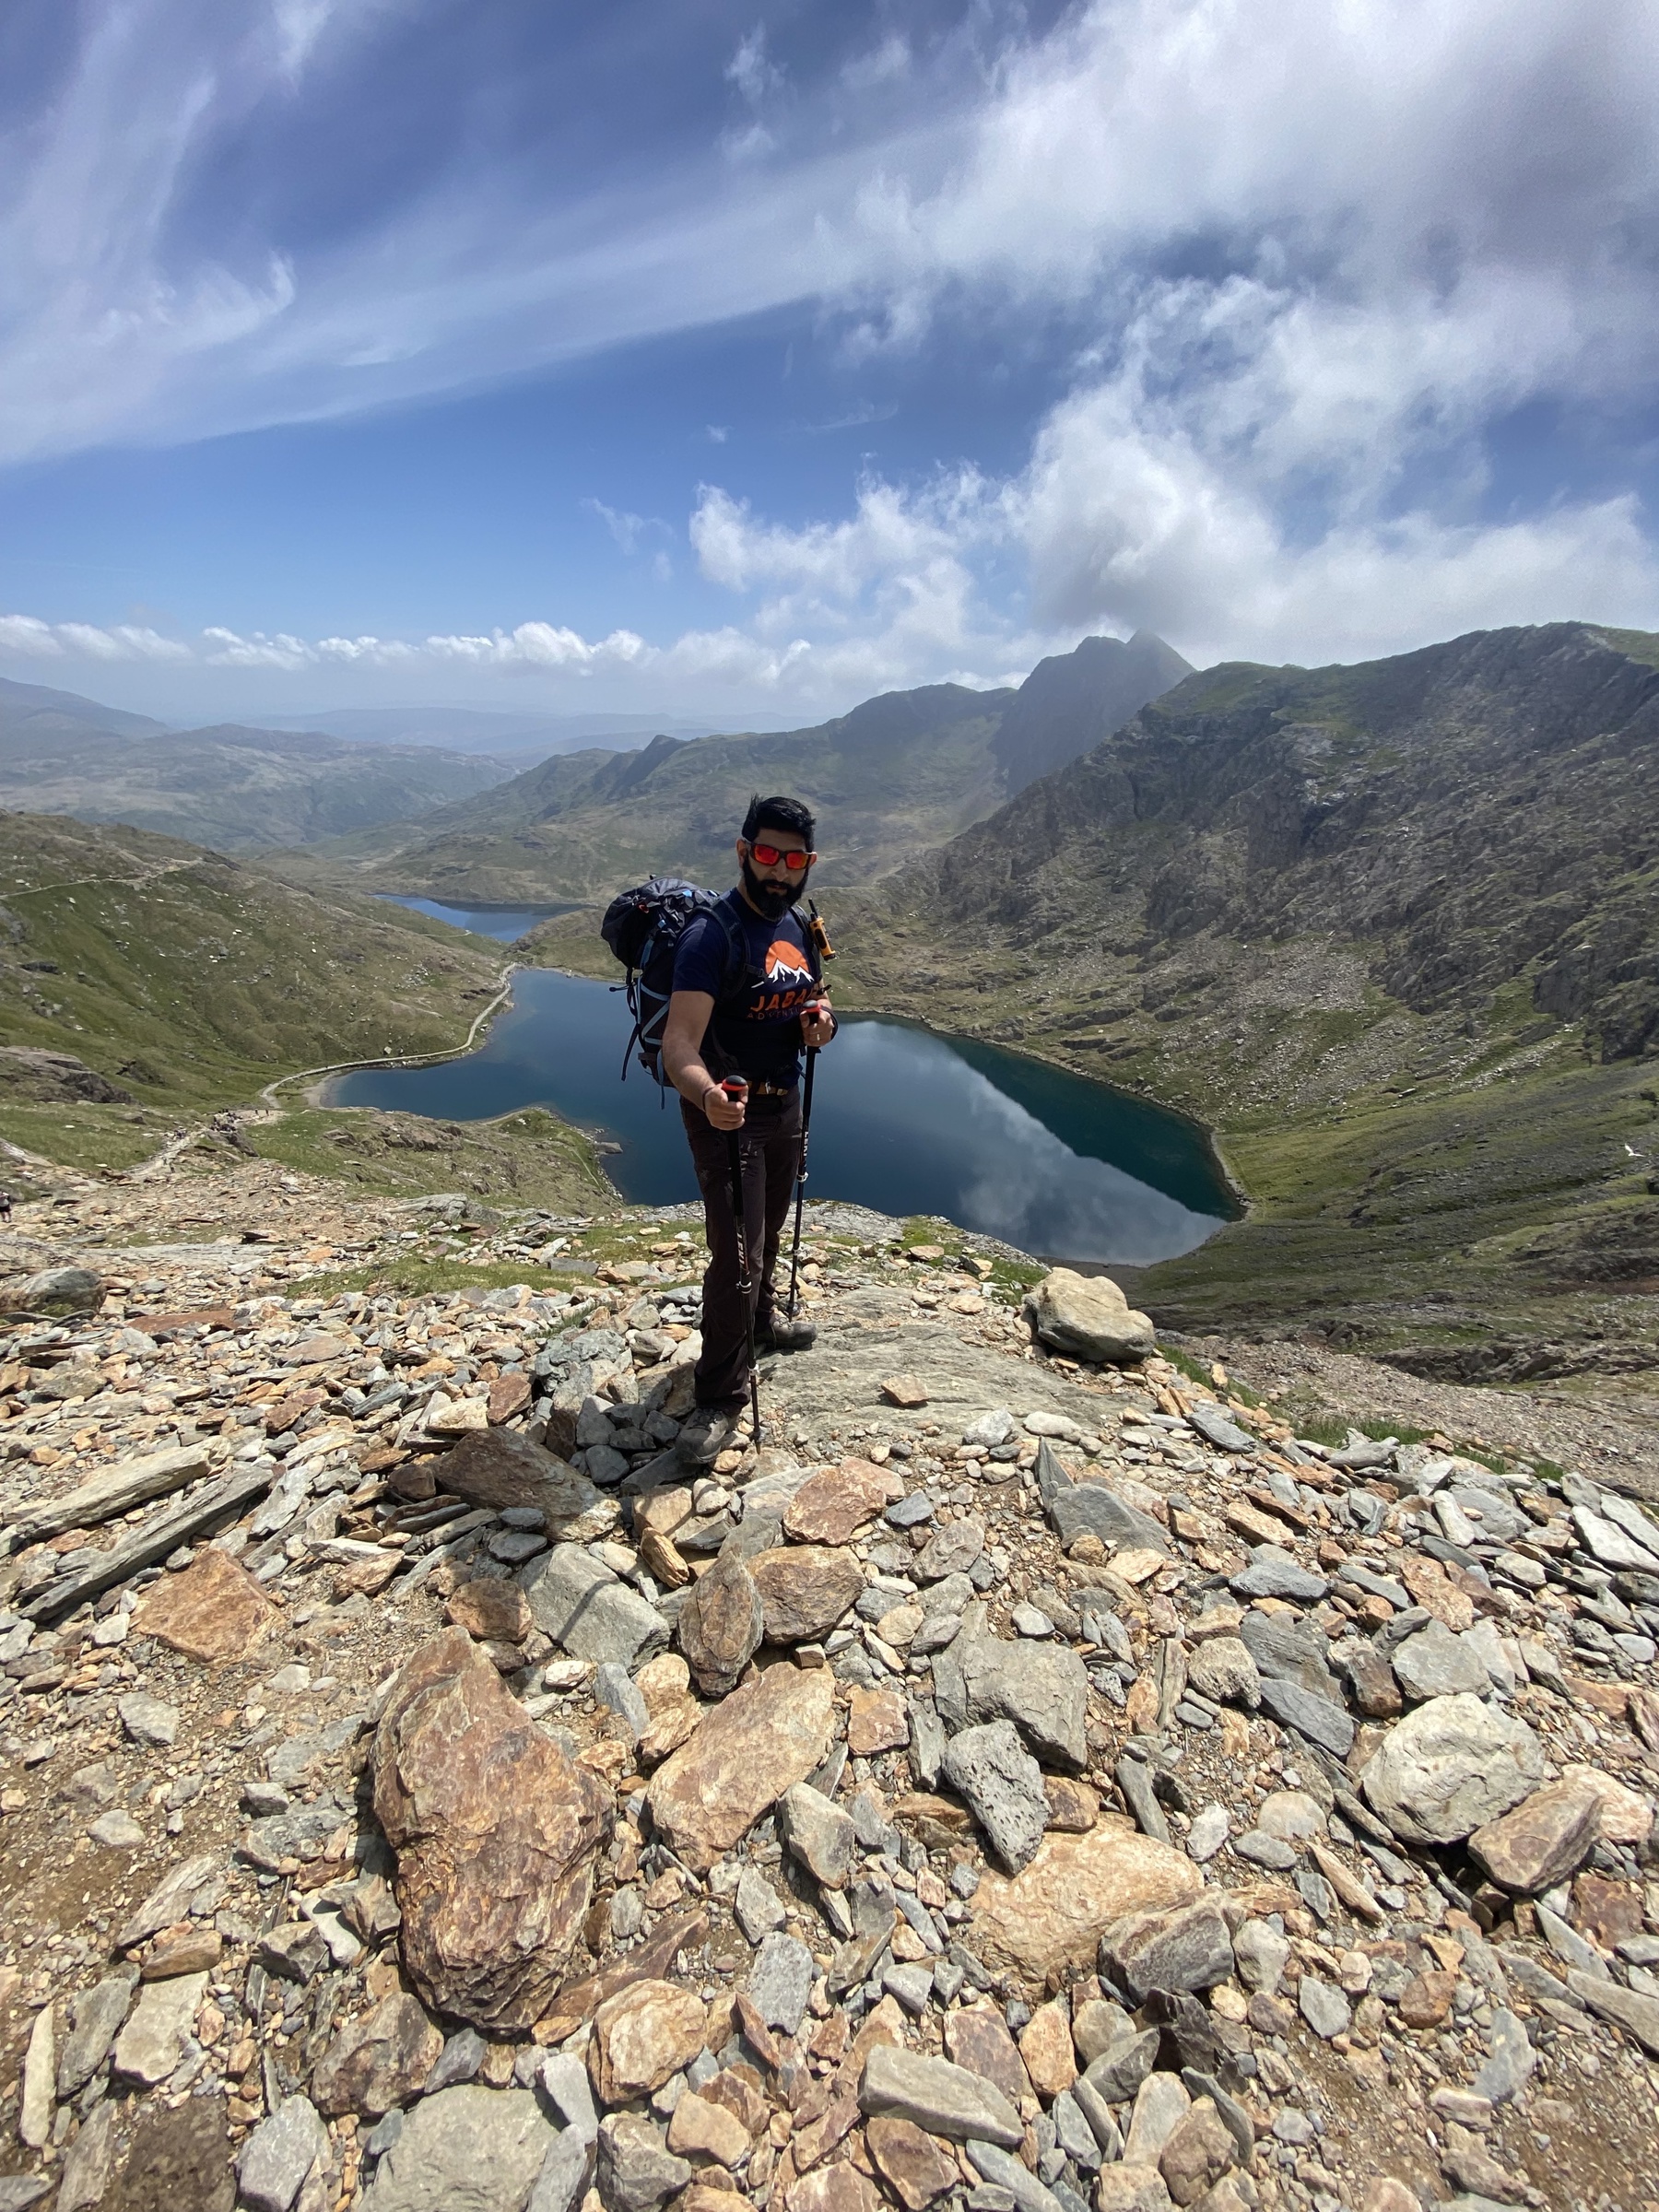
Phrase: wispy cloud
x=1303 y=260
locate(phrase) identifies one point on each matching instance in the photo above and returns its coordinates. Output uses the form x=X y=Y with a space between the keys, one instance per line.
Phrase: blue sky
x=739 y=361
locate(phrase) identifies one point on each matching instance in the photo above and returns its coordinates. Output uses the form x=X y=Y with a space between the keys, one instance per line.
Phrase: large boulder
x=495 y=1829
x=1042 y=1687
x=61 y=1291
x=1053 y=1912
x=1449 y=1767
x=768 y=1734
x=1087 y=1317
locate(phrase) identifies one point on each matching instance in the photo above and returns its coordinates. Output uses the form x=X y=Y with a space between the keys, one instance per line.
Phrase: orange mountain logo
x=786 y=963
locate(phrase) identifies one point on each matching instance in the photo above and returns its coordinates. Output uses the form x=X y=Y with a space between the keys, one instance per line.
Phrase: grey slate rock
x=756 y=1905
x=1324 y=2007
x=637 y=2172
x=98 y=2014
x=780 y=1981
x=1317 y=1718
x=584 y=1607
x=614 y=1685
x=1637 y=2014
x=564 y=2080
x=1437 y=1663
x=1005 y=2173
x=458 y=2060
x=1271 y=1852
x=1092 y=1509
x=1510 y=2058
x=944 y=2100
x=1115 y=2075
x=1182 y=1947
x=818 y=1833
x=912 y=1985
x=276 y=2159
x=565 y=2173
x=1001 y=1783
x=1216 y=1429
x=1042 y=1687
x=471 y=2147
x=1272 y=1573
x=1289 y=1651
x=1135 y=1779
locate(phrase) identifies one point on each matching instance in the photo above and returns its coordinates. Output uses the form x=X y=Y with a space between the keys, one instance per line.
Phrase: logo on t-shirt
x=786 y=965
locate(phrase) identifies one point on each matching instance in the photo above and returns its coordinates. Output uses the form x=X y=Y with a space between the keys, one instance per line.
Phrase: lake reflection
x=903 y=1120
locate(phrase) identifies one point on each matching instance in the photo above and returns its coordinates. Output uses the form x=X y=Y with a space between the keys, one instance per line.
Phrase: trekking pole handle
x=734 y=1089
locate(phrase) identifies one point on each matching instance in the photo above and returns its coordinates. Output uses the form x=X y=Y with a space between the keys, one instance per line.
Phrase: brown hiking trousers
x=770 y=1148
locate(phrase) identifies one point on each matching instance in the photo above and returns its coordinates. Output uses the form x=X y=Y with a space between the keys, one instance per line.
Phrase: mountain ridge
x=230 y=785
x=897 y=774
x=1393 y=932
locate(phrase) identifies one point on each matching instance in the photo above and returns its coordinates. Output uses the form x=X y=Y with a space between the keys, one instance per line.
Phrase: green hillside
x=1392 y=930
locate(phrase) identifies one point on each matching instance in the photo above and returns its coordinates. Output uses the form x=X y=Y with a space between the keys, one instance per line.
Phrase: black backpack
x=644 y=927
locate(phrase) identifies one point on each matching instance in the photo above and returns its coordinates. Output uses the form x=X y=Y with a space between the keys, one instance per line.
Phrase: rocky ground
x=1013 y=1784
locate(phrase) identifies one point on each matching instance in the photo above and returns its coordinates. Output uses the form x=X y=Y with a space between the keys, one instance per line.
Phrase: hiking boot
x=784 y=1332
x=705 y=1436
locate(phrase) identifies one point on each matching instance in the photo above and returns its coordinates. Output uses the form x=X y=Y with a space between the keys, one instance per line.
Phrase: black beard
x=773 y=899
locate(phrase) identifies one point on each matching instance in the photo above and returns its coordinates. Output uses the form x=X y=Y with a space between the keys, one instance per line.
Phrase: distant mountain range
x=899 y=774
x=237 y=790
x=487 y=730
x=1392 y=930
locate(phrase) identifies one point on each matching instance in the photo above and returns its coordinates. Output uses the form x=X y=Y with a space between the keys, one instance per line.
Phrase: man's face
x=772 y=884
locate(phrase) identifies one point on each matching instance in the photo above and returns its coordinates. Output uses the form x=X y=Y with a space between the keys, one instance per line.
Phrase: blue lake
x=903 y=1120
x=505 y=924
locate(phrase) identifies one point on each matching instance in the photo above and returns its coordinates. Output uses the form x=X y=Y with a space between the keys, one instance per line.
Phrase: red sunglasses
x=769 y=855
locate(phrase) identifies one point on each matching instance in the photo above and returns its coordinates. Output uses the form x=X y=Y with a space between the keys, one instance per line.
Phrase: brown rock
x=767 y=1735
x=839 y=2188
x=1643 y=1709
x=378 y=2062
x=495 y=1829
x=1269 y=2016
x=914 y=2167
x=578 y=2001
x=1471 y=2167
x=282 y=1412
x=1045 y=2045
x=805 y=1590
x=1131 y=2188
x=214 y=1611
x=835 y=1504
x=714 y=2192
x=877 y=1720
x=1433 y=1590
x=1376 y=1693
x=739 y=2089
x=369 y=1576
x=1074 y=1807
x=700 y=2130
x=1608 y=1911
x=501 y=1467
x=1198 y=2152
x=190 y=1949
x=719 y=1623
x=977 y=2037
x=662 y=1560
x=641 y=2036
x=1541 y=1842
x=1053 y=1912
x=493 y=1611
x=509 y=1394
x=1623 y=1816
x=908 y=1391
x=1385 y=2192
x=664 y=1683
x=1425 y=1999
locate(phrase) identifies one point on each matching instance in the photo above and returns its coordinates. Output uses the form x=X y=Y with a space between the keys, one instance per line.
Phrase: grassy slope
x=191 y=983
x=1444 y=1117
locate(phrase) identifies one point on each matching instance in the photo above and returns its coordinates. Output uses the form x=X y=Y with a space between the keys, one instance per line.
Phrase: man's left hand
x=817 y=1023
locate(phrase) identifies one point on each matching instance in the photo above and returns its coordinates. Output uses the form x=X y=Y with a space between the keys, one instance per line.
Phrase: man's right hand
x=721 y=1110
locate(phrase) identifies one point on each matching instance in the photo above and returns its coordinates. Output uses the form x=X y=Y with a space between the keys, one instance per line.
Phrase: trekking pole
x=795 y=1257
x=737 y=1092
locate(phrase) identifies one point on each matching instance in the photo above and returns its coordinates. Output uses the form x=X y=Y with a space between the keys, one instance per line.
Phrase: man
x=744 y=1003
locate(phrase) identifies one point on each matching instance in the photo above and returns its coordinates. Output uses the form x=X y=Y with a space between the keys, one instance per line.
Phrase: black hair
x=777 y=813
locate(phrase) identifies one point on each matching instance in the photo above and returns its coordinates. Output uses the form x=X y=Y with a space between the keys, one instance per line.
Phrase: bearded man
x=747 y=1000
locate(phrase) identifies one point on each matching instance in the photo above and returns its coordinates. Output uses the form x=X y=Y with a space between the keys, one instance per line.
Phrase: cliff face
x=1392 y=930
x=1471 y=814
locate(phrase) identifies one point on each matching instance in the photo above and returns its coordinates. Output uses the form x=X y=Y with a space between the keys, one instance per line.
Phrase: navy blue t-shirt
x=755 y=1033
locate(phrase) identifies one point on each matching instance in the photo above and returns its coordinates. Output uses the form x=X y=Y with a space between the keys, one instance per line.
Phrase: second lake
x=903 y=1120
